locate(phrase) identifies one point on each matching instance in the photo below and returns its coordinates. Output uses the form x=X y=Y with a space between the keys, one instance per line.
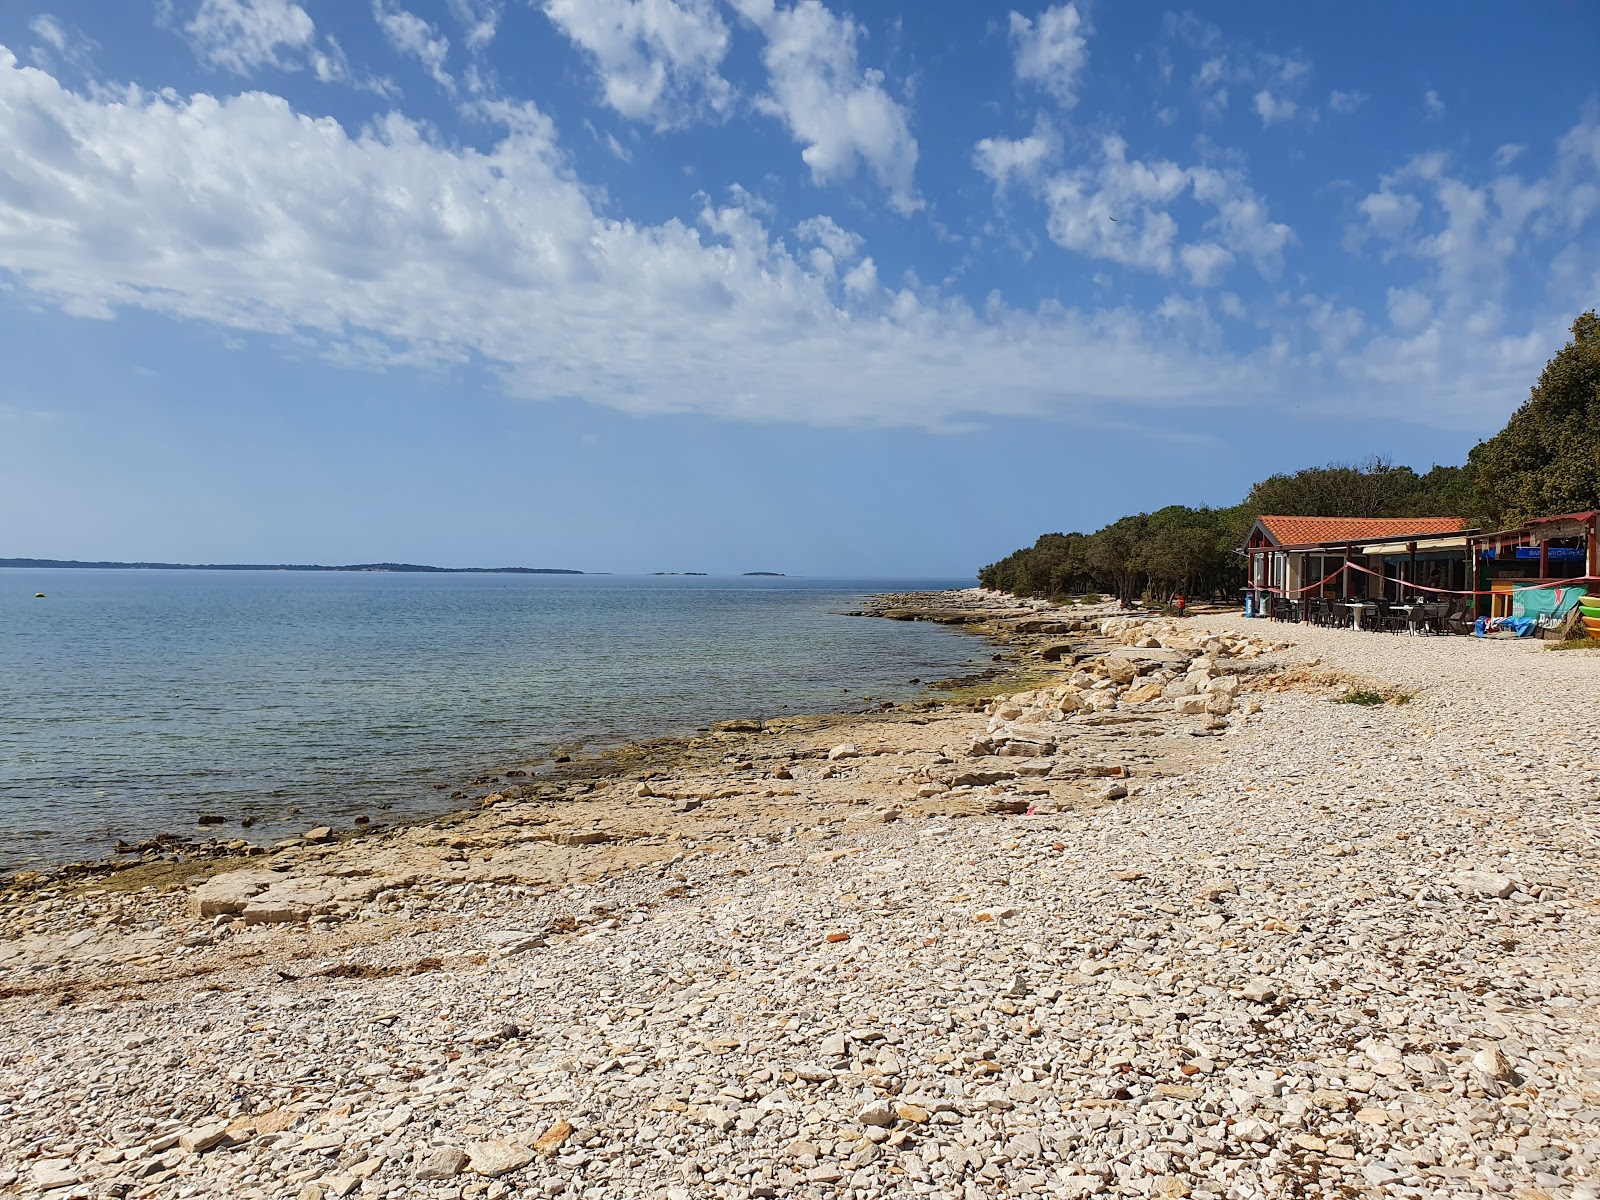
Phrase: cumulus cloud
x=1006 y=159
x=1388 y=214
x=657 y=60
x=1118 y=209
x=839 y=112
x=1206 y=263
x=1431 y=104
x=410 y=35
x=1051 y=50
x=1273 y=109
x=244 y=35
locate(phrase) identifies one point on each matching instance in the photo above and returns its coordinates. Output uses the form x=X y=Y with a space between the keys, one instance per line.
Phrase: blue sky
x=732 y=285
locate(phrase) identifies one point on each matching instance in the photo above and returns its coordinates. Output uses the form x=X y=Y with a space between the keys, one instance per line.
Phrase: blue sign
x=1557 y=553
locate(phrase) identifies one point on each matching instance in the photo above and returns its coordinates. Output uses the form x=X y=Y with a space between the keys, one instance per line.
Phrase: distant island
x=768 y=574
x=677 y=572
x=397 y=568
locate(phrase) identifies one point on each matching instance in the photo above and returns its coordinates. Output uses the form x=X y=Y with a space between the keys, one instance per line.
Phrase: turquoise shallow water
x=133 y=701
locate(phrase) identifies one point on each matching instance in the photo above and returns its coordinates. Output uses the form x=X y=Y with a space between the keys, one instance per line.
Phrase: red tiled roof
x=1316 y=531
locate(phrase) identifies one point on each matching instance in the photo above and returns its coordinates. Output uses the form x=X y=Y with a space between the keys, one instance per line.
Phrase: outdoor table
x=1357 y=611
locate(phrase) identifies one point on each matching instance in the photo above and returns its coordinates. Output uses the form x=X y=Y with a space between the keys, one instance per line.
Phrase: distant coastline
x=396 y=568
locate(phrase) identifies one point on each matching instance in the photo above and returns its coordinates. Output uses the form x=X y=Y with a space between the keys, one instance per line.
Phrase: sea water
x=133 y=701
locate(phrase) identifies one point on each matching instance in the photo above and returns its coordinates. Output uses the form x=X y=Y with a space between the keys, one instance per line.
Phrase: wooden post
x=1594 y=550
x=1544 y=559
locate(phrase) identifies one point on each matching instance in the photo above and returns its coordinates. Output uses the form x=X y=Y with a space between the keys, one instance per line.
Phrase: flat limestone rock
x=498 y=1157
x=1160 y=656
x=52 y=1173
x=444 y=1163
x=228 y=893
x=287 y=901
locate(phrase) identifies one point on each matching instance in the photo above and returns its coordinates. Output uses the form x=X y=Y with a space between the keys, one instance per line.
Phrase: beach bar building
x=1350 y=558
x=1544 y=552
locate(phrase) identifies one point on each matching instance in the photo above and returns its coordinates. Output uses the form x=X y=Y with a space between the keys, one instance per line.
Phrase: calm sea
x=133 y=701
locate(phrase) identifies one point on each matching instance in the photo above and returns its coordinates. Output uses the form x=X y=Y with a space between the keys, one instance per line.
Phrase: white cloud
x=1336 y=328
x=1276 y=82
x=243 y=35
x=1346 y=102
x=1206 y=263
x=1006 y=159
x=1507 y=154
x=1408 y=309
x=47 y=28
x=1432 y=104
x=409 y=34
x=1389 y=214
x=1051 y=50
x=58 y=45
x=657 y=60
x=1241 y=219
x=479 y=20
x=839 y=112
x=1117 y=209
x=1273 y=109
x=825 y=232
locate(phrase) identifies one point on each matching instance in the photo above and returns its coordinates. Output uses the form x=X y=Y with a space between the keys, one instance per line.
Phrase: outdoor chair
x=1434 y=617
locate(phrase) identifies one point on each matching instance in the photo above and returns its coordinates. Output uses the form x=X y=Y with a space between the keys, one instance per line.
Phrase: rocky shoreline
x=1146 y=914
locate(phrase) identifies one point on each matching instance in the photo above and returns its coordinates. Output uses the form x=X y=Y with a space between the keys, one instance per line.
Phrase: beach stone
x=444 y=1163
x=206 y=1137
x=876 y=1112
x=1485 y=883
x=553 y=1138
x=498 y=1157
x=844 y=750
x=507 y=943
x=1492 y=1063
x=1258 y=990
x=51 y=1173
x=1190 y=706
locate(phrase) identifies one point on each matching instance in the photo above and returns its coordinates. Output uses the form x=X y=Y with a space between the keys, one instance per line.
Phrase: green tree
x=1547 y=458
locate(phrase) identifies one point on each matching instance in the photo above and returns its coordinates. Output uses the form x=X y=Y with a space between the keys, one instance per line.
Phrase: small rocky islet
x=1148 y=913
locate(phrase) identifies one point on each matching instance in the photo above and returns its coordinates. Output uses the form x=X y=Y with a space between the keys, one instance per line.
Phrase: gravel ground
x=1354 y=952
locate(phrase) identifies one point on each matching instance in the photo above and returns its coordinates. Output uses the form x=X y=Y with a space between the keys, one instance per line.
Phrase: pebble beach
x=1167 y=919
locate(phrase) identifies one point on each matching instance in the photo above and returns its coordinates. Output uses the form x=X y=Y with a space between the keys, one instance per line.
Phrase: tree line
x=1545 y=461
